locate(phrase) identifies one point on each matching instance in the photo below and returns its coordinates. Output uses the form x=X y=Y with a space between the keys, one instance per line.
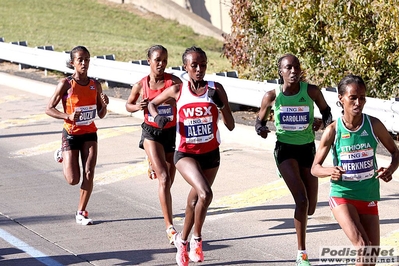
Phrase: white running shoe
x=196 y=254
x=182 y=258
x=58 y=155
x=82 y=217
x=151 y=173
x=170 y=232
x=302 y=260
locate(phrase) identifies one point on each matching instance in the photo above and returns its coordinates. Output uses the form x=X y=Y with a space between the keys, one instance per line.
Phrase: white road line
x=43 y=258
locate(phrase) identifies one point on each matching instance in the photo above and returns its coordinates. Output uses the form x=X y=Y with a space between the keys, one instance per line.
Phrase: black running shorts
x=207 y=160
x=166 y=136
x=75 y=142
x=303 y=154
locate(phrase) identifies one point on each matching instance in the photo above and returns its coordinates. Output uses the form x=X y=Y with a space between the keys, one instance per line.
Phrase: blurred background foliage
x=331 y=38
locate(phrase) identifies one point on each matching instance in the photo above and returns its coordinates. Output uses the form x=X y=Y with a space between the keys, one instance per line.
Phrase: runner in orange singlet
x=82 y=99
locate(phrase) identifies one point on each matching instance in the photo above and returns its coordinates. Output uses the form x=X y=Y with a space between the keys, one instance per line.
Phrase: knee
x=72 y=179
x=302 y=203
x=89 y=174
x=164 y=180
x=311 y=209
x=206 y=197
x=360 y=242
x=88 y=178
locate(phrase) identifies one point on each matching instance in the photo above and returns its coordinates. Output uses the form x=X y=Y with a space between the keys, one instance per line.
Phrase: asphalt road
x=249 y=221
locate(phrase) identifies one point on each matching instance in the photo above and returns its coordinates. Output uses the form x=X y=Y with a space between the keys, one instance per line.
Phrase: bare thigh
x=350 y=222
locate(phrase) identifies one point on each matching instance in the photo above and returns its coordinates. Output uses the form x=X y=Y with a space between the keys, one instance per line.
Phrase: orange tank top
x=83 y=98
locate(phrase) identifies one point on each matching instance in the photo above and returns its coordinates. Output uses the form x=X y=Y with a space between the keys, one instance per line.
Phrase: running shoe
x=170 y=232
x=151 y=172
x=196 y=253
x=82 y=217
x=181 y=255
x=58 y=155
x=302 y=260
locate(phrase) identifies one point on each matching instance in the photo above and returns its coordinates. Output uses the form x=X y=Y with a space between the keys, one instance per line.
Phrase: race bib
x=199 y=130
x=358 y=165
x=294 y=118
x=87 y=115
x=163 y=110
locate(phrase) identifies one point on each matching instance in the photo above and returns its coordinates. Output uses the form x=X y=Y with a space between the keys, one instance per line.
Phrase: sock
x=197 y=238
x=301 y=252
x=183 y=241
x=170 y=227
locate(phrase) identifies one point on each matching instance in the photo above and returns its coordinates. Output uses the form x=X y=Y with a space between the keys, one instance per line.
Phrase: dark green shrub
x=331 y=38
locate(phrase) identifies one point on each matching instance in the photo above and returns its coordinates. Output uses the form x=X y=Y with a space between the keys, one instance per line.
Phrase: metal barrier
x=240 y=91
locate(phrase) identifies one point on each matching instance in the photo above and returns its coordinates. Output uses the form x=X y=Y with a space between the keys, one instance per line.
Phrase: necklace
x=352 y=127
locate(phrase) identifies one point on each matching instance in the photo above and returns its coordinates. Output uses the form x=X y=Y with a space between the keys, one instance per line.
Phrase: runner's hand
x=161 y=121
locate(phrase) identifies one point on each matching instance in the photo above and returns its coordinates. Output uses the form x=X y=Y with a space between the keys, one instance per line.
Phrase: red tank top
x=197 y=121
x=165 y=109
x=83 y=98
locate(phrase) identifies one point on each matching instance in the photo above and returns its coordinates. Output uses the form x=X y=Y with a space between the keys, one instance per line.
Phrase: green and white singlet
x=294 y=116
x=355 y=151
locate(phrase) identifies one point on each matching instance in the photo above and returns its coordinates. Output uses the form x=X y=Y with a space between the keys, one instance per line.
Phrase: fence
x=240 y=91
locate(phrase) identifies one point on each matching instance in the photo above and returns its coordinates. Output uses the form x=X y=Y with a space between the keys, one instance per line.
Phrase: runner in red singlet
x=197 y=158
x=159 y=144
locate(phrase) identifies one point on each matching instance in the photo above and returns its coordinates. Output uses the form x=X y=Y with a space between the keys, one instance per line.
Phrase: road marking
x=22 y=120
x=43 y=258
x=121 y=173
x=52 y=146
x=391 y=240
x=254 y=196
x=12 y=98
x=36 y=150
x=117 y=131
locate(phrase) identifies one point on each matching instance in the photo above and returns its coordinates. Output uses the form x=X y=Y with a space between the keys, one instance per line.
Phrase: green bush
x=331 y=38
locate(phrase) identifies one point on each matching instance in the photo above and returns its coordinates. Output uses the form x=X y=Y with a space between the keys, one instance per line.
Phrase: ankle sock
x=197 y=238
x=170 y=227
x=301 y=252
